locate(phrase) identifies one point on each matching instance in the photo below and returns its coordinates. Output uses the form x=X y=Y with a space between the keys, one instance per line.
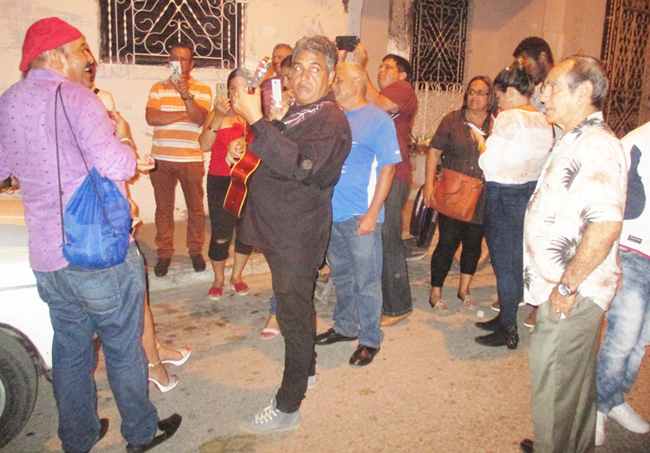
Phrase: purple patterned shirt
x=28 y=151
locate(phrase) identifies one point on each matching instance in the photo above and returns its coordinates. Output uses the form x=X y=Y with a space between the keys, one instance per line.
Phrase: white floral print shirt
x=584 y=181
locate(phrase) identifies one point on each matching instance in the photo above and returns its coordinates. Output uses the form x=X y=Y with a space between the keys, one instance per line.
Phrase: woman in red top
x=222 y=125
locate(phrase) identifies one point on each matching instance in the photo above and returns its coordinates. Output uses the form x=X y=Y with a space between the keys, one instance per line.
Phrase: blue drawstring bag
x=96 y=221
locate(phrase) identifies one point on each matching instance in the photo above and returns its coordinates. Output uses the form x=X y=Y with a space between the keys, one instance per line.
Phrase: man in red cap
x=42 y=139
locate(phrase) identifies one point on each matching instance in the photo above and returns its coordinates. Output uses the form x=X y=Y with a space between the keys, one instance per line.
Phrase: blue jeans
x=395 y=278
x=355 y=269
x=110 y=303
x=504 y=233
x=628 y=332
x=274 y=305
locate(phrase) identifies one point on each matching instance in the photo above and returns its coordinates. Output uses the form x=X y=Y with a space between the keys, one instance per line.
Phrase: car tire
x=18 y=387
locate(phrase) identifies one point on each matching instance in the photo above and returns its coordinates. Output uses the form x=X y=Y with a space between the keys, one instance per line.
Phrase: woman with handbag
x=513 y=159
x=456 y=191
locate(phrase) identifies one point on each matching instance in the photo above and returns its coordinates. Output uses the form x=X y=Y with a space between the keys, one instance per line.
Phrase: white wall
x=495 y=28
x=267 y=23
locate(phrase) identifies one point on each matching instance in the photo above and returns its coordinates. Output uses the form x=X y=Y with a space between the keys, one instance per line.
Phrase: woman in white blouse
x=514 y=155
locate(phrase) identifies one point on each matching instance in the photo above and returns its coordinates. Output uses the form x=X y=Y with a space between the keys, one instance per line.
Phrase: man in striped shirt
x=176 y=109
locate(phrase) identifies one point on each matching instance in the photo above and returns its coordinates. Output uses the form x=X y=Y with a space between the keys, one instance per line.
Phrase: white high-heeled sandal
x=185 y=352
x=173 y=380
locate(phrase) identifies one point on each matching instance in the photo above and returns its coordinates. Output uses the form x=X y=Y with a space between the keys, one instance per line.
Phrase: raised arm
x=372 y=94
x=213 y=123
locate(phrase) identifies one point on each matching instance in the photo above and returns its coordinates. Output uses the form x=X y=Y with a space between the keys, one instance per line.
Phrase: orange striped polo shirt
x=178 y=142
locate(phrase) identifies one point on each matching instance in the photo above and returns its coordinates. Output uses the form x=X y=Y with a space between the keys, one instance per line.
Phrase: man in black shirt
x=289 y=211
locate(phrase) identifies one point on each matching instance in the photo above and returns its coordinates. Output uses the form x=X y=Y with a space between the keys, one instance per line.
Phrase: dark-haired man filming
x=396 y=97
x=289 y=210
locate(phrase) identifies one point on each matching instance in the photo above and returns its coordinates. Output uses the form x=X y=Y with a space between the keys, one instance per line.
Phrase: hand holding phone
x=347 y=43
x=175 y=69
x=276 y=92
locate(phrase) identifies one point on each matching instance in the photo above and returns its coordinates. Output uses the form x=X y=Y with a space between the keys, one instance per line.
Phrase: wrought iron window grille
x=142 y=31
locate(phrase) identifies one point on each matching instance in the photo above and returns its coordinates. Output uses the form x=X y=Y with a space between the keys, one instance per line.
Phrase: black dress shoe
x=331 y=336
x=198 y=263
x=168 y=427
x=490 y=325
x=103 y=429
x=526 y=446
x=503 y=336
x=363 y=355
x=162 y=266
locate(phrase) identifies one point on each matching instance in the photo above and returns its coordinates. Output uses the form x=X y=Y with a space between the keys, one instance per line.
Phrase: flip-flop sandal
x=268 y=333
x=468 y=302
x=440 y=306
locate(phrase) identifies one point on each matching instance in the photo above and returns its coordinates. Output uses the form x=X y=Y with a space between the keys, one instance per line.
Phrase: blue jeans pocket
x=97 y=290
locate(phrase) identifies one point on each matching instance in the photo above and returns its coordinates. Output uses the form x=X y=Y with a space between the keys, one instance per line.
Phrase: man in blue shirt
x=355 y=248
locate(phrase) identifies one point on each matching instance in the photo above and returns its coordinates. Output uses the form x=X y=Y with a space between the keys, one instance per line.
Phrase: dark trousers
x=293 y=286
x=221 y=221
x=504 y=232
x=396 y=291
x=451 y=233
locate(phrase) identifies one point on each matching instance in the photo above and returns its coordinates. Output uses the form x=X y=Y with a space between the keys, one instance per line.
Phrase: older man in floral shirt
x=571 y=272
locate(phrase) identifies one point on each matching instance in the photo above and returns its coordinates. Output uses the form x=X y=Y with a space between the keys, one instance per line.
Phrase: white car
x=25 y=328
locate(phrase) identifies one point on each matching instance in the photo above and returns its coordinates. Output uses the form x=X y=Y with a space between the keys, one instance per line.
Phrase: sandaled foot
x=181 y=356
x=269 y=332
x=439 y=306
x=468 y=302
x=157 y=373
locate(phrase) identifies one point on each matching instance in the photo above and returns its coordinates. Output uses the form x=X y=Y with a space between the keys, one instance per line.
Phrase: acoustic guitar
x=248 y=162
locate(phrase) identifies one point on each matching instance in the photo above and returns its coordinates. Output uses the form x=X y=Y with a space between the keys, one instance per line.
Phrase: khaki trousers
x=163 y=180
x=563 y=370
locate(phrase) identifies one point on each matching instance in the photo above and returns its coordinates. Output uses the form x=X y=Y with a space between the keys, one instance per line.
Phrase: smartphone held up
x=175 y=69
x=347 y=43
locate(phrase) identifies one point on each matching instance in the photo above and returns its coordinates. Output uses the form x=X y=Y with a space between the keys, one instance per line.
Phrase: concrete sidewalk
x=181 y=271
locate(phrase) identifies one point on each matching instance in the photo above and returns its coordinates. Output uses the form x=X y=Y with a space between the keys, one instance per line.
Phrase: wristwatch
x=564 y=290
x=190 y=97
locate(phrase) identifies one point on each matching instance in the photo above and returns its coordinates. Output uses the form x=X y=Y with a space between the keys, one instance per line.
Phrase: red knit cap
x=46 y=34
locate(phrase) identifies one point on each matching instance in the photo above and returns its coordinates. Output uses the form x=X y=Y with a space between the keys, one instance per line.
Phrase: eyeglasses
x=477 y=93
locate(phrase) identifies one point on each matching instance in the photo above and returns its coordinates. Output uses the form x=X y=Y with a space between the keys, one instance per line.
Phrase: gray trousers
x=563 y=371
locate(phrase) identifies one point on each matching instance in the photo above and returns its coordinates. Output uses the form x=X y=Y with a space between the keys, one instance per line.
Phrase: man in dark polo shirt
x=396 y=97
x=289 y=210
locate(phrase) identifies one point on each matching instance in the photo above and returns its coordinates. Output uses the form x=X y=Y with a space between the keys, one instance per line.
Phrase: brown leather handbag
x=455 y=194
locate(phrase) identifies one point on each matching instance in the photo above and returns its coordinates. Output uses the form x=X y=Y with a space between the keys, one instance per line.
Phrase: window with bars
x=439 y=38
x=142 y=31
x=626 y=55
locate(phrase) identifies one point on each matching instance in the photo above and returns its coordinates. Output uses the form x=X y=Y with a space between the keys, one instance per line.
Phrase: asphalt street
x=431 y=388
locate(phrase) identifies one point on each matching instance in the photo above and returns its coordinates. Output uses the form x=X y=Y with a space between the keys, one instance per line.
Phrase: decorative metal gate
x=141 y=31
x=438 y=49
x=626 y=55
